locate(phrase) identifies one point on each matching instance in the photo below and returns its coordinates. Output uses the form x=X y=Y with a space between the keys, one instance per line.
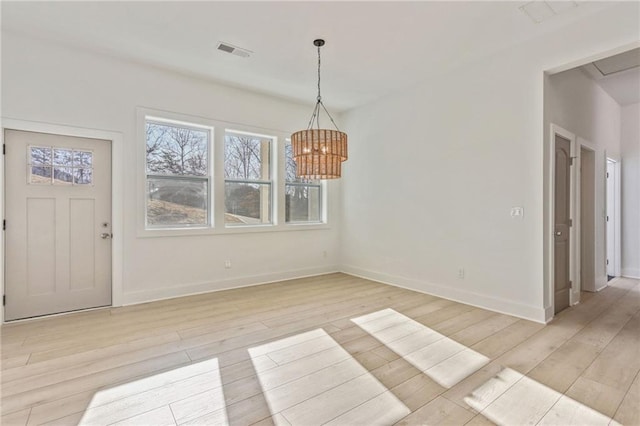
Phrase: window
x=178 y=174
x=247 y=173
x=60 y=166
x=302 y=196
x=196 y=172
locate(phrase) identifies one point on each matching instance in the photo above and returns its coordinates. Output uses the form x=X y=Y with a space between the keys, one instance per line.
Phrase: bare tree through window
x=173 y=150
x=247 y=179
x=177 y=158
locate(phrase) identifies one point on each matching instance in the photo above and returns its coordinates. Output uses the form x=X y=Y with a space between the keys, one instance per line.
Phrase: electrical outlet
x=227 y=264
x=460 y=272
x=517 y=212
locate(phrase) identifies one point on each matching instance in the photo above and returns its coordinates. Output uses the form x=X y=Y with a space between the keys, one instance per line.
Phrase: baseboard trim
x=631 y=273
x=548 y=314
x=498 y=305
x=152 y=295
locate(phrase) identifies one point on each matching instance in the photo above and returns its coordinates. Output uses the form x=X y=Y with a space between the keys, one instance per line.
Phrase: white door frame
x=574 y=296
x=117 y=191
x=617 y=216
x=581 y=143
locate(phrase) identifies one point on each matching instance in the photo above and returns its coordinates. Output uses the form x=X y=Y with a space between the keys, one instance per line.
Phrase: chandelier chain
x=315 y=116
x=319 y=97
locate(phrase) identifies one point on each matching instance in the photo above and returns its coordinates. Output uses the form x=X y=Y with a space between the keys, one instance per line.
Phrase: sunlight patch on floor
x=181 y=393
x=316 y=381
x=444 y=360
x=512 y=398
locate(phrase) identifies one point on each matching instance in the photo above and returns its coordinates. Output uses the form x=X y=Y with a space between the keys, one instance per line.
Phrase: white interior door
x=58 y=224
x=611 y=217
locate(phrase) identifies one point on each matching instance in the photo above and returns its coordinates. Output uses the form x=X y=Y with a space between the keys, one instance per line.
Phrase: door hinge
x=571 y=161
x=4 y=148
x=607 y=261
x=570 y=222
x=607 y=218
x=607 y=174
x=4 y=300
x=4 y=224
x=570 y=284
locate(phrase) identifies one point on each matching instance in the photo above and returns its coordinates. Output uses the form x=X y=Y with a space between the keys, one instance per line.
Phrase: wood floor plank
x=334 y=402
x=600 y=333
x=384 y=409
x=151 y=399
x=526 y=402
x=14 y=361
x=509 y=337
x=561 y=369
x=159 y=417
x=17 y=418
x=395 y=372
x=602 y=398
x=628 y=412
x=479 y=420
x=440 y=411
x=417 y=391
x=455 y=324
x=290 y=394
x=93 y=381
x=76 y=359
x=536 y=348
x=483 y=329
x=71 y=420
x=619 y=362
x=60 y=408
x=568 y=411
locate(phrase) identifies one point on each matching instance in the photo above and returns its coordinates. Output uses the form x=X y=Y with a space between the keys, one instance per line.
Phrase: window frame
x=273 y=192
x=216 y=192
x=208 y=178
x=52 y=166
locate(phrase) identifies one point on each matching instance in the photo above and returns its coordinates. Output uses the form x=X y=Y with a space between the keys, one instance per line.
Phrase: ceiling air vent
x=234 y=50
x=541 y=10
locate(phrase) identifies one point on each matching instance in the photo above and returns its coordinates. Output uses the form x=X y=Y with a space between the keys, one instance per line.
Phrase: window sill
x=242 y=229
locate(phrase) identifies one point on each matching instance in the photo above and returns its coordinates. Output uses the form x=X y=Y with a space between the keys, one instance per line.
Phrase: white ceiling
x=373 y=48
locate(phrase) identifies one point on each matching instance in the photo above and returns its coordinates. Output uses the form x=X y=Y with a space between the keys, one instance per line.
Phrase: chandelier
x=318 y=152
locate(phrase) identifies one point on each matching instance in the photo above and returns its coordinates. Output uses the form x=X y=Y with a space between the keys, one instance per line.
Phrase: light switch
x=517 y=212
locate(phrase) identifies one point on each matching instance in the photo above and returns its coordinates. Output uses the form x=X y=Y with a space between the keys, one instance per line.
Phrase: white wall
x=576 y=103
x=630 y=150
x=434 y=171
x=49 y=83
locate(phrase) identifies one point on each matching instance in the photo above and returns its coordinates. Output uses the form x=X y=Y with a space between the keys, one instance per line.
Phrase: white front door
x=58 y=224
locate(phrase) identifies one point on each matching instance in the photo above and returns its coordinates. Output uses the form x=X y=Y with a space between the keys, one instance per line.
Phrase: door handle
x=106 y=236
x=558 y=233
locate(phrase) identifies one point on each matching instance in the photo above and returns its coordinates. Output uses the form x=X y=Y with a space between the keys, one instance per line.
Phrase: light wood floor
x=331 y=349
